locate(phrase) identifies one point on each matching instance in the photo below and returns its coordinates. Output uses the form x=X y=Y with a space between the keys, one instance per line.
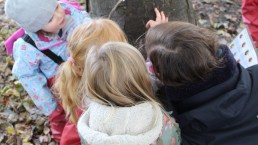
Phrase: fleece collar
x=137 y=125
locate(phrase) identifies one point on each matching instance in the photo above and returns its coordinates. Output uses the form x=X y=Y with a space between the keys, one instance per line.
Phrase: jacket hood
x=137 y=125
x=224 y=114
x=221 y=114
x=218 y=106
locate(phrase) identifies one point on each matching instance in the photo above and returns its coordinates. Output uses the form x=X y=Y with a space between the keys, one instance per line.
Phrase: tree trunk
x=132 y=15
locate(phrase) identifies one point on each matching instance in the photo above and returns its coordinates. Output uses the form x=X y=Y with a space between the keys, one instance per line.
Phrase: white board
x=243 y=49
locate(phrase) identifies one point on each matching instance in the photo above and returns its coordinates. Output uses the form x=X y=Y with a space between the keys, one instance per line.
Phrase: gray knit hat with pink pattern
x=31 y=15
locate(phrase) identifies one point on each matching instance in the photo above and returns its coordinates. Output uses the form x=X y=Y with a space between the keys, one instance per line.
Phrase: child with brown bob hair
x=68 y=78
x=123 y=109
x=214 y=98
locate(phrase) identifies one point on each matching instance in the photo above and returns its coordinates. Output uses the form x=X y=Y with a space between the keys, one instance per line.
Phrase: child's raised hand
x=160 y=18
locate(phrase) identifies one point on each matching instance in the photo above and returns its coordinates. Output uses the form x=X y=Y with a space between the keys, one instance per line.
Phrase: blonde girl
x=68 y=77
x=85 y=36
x=123 y=109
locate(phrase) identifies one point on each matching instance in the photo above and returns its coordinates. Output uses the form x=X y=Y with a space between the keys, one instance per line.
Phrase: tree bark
x=132 y=15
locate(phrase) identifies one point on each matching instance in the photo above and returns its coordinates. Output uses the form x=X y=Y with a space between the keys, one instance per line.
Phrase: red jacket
x=250 y=17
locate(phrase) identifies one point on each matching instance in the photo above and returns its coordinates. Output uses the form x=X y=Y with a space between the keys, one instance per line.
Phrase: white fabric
x=104 y=125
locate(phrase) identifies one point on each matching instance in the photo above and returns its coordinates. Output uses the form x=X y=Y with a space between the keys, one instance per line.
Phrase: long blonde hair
x=116 y=75
x=68 y=78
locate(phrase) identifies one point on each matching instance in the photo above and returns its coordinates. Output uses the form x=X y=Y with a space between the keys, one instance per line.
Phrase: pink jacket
x=250 y=17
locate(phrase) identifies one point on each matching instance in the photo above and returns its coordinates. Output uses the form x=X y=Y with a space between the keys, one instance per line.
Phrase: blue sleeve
x=26 y=69
x=81 y=16
x=85 y=17
x=75 y=17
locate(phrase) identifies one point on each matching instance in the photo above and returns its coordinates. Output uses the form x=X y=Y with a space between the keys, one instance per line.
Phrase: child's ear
x=156 y=71
x=158 y=75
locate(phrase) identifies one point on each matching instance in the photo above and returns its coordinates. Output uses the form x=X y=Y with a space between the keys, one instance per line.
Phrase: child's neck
x=54 y=34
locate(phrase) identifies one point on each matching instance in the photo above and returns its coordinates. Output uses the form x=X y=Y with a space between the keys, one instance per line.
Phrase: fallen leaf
x=43 y=139
x=11 y=140
x=28 y=105
x=9 y=115
x=46 y=130
x=24 y=131
x=10 y=130
x=1 y=137
x=40 y=121
x=18 y=86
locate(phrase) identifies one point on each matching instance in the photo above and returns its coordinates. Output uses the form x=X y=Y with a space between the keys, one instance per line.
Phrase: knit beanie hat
x=31 y=15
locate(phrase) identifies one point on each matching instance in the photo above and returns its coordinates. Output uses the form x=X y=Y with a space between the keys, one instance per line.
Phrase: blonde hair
x=68 y=77
x=116 y=75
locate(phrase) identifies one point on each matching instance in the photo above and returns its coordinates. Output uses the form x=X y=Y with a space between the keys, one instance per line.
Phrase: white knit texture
x=137 y=125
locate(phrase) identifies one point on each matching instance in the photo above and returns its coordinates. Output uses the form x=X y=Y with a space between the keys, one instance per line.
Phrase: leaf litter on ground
x=21 y=123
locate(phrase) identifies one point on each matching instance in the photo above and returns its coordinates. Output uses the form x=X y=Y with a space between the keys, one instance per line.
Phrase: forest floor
x=22 y=123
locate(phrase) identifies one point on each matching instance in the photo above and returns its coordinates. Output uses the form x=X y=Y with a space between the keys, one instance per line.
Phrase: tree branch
x=114 y=8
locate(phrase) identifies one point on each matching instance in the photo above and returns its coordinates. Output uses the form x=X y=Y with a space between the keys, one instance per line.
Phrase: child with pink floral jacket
x=48 y=23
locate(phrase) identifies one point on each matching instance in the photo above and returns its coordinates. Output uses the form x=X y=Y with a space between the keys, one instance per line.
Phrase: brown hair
x=181 y=52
